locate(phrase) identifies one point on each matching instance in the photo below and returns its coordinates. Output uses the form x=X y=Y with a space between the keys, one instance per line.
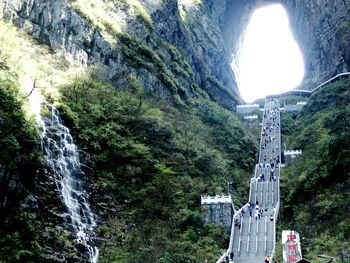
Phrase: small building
x=247 y=108
x=217 y=209
x=294 y=107
x=251 y=120
x=301 y=103
x=215 y=199
x=290 y=156
x=251 y=117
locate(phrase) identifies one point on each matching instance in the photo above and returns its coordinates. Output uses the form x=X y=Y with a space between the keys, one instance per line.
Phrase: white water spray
x=61 y=155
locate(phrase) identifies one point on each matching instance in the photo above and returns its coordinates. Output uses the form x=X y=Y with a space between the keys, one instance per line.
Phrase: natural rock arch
x=319 y=27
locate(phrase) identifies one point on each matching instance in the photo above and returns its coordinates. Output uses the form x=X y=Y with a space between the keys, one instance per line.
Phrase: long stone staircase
x=255 y=238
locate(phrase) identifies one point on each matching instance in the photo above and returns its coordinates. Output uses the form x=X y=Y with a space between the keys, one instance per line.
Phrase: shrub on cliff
x=151 y=161
x=316 y=188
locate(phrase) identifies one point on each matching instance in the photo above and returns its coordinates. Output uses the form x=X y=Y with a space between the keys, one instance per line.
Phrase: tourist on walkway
x=250 y=208
x=257 y=215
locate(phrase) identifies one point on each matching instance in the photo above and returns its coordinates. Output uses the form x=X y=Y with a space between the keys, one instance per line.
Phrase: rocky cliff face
x=180 y=50
x=321 y=29
x=192 y=42
x=181 y=42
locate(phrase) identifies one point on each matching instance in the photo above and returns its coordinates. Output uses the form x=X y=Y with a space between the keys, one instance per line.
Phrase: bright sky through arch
x=270 y=60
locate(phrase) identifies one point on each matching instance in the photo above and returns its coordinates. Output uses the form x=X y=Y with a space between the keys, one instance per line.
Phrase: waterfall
x=61 y=155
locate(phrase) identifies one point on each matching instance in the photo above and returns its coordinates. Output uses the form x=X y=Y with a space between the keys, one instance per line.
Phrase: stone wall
x=219 y=213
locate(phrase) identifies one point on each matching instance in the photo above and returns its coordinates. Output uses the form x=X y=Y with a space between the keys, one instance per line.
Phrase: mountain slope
x=316 y=188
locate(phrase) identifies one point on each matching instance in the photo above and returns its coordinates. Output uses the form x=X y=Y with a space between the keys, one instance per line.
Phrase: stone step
x=255 y=240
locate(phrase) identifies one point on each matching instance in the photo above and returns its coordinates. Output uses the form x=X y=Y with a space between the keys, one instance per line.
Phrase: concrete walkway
x=255 y=238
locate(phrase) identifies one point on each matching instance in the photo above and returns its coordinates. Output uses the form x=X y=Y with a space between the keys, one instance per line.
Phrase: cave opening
x=268 y=59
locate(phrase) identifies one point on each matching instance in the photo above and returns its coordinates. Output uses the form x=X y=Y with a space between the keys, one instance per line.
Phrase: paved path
x=255 y=239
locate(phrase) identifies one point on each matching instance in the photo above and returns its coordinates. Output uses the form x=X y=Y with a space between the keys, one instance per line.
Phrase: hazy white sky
x=270 y=60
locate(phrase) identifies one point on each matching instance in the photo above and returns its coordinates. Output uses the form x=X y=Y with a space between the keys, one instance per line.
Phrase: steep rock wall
x=206 y=36
x=167 y=31
x=321 y=29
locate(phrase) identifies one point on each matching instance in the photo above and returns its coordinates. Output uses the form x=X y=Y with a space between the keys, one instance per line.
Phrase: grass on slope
x=26 y=234
x=315 y=189
x=151 y=161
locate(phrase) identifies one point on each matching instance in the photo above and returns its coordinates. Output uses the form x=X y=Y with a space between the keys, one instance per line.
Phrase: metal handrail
x=262 y=189
x=330 y=80
x=233 y=226
x=275 y=216
x=274 y=231
x=315 y=89
x=256 y=171
x=262 y=127
x=251 y=189
x=230 y=248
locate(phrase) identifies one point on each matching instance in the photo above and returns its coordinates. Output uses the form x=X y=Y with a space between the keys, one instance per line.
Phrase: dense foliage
x=151 y=161
x=19 y=160
x=315 y=189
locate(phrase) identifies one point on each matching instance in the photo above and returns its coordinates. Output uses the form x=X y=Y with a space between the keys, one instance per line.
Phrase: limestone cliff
x=179 y=50
x=192 y=42
x=321 y=29
x=174 y=49
x=323 y=32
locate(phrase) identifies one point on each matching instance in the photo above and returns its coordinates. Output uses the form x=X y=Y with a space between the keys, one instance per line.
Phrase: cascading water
x=61 y=155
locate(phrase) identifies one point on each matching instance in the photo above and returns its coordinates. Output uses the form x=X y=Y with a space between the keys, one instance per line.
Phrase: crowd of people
x=258 y=211
x=267 y=171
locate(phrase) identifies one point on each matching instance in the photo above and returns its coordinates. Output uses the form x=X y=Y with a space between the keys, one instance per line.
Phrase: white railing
x=251 y=117
x=330 y=80
x=275 y=216
x=248 y=106
x=338 y=76
x=233 y=226
x=274 y=231
x=292 y=152
x=221 y=259
x=251 y=189
x=275 y=200
x=213 y=199
x=256 y=171
x=262 y=128
x=230 y=248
